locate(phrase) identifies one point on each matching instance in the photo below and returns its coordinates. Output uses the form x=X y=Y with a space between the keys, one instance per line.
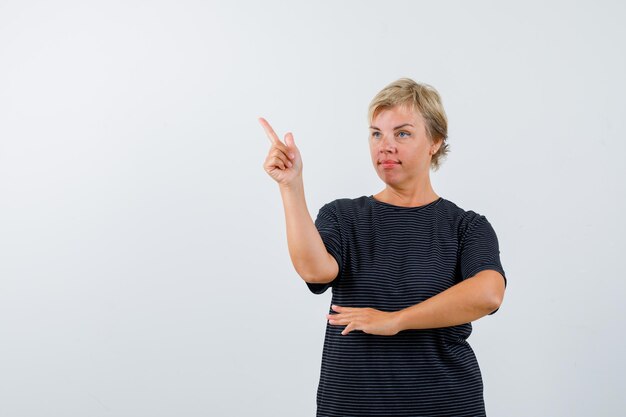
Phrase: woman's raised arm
x=307 y=251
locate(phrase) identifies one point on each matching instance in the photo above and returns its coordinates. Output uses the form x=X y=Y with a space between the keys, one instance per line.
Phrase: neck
x=407 y=197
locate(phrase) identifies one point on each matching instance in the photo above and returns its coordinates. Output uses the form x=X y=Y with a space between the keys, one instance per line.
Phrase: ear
x=435 y=146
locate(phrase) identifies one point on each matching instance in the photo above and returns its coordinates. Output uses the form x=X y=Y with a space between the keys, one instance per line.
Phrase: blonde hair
x=423 y=98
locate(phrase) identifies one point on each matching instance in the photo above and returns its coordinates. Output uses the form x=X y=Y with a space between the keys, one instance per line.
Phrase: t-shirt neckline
x=382 y=203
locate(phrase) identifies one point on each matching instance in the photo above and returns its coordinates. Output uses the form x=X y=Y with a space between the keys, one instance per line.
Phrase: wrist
x=294 y=185
x=398 y=320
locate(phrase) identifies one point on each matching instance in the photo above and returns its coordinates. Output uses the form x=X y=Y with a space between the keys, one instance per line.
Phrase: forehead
x=399 y=113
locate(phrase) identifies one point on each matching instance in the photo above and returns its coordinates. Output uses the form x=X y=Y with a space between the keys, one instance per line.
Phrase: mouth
x=389 y=163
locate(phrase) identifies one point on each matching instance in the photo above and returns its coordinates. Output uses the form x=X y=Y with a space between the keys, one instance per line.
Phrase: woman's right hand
x=279 y=164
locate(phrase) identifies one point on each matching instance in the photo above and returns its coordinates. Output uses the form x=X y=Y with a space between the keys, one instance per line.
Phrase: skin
x=283 y=162
x=407 y=183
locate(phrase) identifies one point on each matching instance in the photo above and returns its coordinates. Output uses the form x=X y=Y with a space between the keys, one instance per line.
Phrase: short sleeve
x=479 y=250
x=328 y=226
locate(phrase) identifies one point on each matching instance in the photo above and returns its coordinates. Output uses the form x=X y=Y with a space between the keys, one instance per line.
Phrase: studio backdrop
x=144 y=268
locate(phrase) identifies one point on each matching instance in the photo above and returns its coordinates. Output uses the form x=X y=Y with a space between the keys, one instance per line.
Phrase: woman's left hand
x=367 y=319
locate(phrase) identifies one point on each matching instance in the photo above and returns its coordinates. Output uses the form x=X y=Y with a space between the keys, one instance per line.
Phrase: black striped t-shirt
x=391 y=257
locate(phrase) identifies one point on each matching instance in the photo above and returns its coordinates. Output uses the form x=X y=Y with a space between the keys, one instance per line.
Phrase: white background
x=144 y=268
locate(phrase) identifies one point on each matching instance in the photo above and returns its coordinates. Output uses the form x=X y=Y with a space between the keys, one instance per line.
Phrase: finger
x=341 y=319
x=348 y=329
x=273 y=138
x=280 y=156
x=332 y=317
x=290 y=144
x=271 y=135
x=278 y=162
x=280 y=153
x=344 y=310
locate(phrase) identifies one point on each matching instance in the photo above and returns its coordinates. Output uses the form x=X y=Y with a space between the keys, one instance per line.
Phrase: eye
x=407 y=134
x=375 y=133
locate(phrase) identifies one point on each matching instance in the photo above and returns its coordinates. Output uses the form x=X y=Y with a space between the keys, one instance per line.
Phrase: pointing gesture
x=283 y=162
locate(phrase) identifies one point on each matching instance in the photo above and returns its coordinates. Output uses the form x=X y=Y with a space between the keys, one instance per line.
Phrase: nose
x=387 y=144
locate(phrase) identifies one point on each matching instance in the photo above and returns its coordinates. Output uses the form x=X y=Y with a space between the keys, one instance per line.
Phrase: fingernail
x=292 y=155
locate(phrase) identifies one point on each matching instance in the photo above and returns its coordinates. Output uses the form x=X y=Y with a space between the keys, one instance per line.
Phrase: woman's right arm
x=308 y=254
x=306 y=248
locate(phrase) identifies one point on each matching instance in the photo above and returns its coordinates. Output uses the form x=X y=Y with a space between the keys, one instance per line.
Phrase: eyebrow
x=397 y=127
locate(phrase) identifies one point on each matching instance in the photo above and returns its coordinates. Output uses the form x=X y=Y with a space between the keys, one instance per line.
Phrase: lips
x=389 y=164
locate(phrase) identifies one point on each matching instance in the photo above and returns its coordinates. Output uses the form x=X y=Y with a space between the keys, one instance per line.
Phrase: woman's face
x=399 y=134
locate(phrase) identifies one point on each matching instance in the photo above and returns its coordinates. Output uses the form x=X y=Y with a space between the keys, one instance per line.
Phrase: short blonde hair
x=423 y=98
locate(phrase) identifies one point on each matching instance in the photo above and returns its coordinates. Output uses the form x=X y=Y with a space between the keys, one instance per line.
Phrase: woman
x=409 y=270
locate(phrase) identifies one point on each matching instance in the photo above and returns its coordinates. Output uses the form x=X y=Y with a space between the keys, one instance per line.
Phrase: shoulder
x=346 y=204
x=462 y=220
x=345 y=211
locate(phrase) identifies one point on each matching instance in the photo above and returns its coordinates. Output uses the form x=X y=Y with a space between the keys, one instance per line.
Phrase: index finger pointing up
x=271 y=135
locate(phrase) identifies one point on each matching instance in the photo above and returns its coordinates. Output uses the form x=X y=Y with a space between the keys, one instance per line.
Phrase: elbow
x=324 y=273
x=494 y=301
x=492 y=289
x=494 y=304
x=310 y=276
x=317 y=278
x=490 y=302
x=306 y=271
